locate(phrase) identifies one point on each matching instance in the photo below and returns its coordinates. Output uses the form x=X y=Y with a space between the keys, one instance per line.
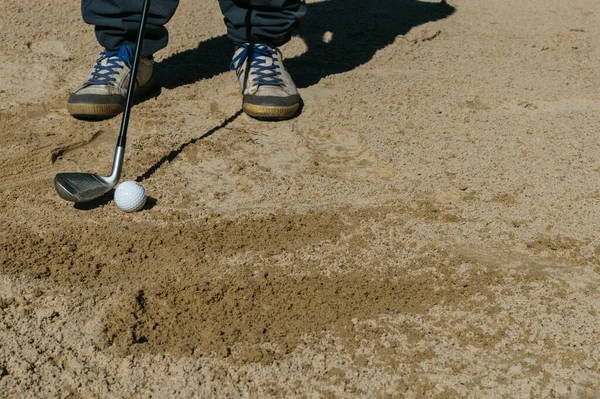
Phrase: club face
x=81 y=187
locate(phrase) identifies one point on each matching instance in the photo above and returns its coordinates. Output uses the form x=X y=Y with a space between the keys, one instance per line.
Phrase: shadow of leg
x=209 y=59
x=356 y=32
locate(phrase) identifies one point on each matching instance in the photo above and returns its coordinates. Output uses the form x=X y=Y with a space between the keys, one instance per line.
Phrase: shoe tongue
x=265 y=55
x=105 y=60
x=268 y=61
x=124 y=54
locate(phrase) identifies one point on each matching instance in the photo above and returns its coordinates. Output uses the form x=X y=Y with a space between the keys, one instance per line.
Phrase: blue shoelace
x=103 y=74
x=256 y=55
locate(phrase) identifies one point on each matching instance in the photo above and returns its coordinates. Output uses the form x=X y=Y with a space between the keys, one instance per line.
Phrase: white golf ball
x=130 y=196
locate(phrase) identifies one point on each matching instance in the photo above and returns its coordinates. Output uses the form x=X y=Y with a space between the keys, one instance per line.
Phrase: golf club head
x=82 y=187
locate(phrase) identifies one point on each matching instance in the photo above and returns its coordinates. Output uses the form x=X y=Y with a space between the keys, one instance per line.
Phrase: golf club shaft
x=133 y=75
x=120 y=150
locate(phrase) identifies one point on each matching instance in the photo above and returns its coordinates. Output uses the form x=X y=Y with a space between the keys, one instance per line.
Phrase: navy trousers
x=256 y=21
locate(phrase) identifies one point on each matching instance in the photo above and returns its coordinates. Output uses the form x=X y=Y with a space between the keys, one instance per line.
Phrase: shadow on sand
x=356 y=30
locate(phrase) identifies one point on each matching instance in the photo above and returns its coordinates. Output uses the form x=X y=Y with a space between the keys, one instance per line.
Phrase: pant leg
x=262 y=21
x=117 y=21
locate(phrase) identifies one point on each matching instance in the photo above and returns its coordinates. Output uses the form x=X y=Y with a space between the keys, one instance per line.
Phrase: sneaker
x=103 y=94
x=269 y=92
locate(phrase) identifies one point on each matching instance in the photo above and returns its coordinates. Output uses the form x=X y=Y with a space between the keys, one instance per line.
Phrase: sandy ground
x=427 y=227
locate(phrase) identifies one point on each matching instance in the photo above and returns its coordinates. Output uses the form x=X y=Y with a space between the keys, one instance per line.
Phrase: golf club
x=83 y=187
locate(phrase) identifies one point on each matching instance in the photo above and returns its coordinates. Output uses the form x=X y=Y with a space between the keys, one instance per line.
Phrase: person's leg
x=262 y=21
x=116 y=23
x=258 y=27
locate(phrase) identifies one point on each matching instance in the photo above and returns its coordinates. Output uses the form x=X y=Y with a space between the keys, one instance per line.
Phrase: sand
x=426 y=227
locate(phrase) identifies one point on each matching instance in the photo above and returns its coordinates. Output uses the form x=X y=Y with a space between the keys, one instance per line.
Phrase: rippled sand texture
x=427 y=227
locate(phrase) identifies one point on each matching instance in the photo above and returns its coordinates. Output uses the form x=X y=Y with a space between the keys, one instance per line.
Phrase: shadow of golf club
x=151 y=202
x=174 y=153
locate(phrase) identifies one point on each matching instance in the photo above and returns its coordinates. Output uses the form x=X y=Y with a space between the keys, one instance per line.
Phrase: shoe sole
x=267 y=113
x=91 y=111
x=94 y=111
